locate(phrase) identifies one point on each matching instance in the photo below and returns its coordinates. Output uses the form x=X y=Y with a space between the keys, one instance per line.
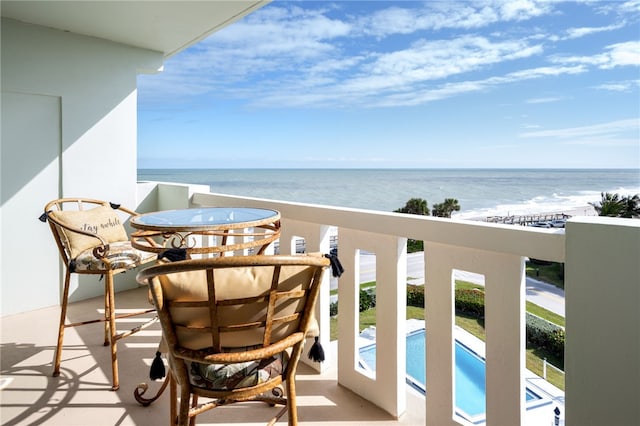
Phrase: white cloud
x=543 y=100
x=616 y=55
x=438 y=15
x=589 y=134
x=620 y=86
x=584 y=31
x=291 y=56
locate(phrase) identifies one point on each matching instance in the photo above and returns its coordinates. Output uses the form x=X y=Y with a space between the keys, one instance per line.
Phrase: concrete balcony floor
x=81 y=395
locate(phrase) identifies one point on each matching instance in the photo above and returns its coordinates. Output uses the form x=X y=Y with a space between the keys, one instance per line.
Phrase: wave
x=575 y=205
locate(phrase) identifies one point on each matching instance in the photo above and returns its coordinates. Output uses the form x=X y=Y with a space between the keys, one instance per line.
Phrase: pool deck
x=538 y=413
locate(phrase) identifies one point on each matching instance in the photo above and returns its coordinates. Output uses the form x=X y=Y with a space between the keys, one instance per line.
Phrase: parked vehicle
x=541 y=224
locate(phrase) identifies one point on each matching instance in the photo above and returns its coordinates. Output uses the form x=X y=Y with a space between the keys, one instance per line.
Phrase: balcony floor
x=82 y=395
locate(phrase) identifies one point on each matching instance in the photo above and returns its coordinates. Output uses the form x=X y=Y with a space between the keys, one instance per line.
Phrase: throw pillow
x=103 y=221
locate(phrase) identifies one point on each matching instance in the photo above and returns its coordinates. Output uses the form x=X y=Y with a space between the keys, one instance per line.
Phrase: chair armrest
x=203 y=356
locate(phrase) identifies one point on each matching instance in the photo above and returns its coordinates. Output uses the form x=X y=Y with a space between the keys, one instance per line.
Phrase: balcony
x=602 y=294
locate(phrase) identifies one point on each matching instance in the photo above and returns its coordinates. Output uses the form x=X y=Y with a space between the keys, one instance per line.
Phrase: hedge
x=544 y=334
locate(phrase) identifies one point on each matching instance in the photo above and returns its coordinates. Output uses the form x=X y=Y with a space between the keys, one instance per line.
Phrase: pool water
x=470 y=373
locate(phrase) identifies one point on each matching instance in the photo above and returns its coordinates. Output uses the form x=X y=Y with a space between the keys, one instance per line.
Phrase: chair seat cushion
x=121 y=256
x=236 y=376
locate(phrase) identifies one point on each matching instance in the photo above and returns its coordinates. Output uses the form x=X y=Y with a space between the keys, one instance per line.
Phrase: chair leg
x=194 y=404
x=63 y=316
x=183 y=414
x=107 y=310
x=112 y=329
x=291 y=402
x=173 y=398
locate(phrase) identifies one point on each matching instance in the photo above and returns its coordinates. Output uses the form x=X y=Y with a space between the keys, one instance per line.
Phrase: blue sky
x=436 y=84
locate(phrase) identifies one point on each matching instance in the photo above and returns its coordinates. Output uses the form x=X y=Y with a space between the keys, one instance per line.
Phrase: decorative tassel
x=43 y=217
x=336 y=266
x=174 y=254
x=114 y=205
x=316 y=353
x=157 y=368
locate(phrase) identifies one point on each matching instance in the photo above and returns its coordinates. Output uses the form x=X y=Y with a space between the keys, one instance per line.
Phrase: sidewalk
x=542 y=294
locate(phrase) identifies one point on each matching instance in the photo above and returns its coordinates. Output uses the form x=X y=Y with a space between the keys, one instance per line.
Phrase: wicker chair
x=92 y=240
x=235 y=328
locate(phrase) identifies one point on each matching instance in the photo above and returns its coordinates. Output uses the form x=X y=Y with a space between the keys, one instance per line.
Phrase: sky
x=402 y=84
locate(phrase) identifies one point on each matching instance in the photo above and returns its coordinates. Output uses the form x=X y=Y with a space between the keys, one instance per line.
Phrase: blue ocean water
x=480 y=192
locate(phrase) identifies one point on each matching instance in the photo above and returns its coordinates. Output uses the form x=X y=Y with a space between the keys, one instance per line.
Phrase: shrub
x=470 y=301
x=544 y=334
x=414 y=246
x=367 y=300
x=415 y=295
x=333 y=309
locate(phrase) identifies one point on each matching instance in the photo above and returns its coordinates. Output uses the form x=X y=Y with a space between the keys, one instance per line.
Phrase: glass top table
x=235 y=228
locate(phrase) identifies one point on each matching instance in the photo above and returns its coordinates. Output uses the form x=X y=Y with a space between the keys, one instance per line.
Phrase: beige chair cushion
x=236 y=376
x=232 y=283
x=121 y=256
x=103 y=221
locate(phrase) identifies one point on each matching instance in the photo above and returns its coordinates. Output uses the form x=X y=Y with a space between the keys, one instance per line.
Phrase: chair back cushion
x=102 y=221
x=245 y=285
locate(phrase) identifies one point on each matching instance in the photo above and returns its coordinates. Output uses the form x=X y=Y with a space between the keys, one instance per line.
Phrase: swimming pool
x=470 y=374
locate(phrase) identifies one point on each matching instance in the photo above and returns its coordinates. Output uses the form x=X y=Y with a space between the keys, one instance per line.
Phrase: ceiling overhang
x=161 y=26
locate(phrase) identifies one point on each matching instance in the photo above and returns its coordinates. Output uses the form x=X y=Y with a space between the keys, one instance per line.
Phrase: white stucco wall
x=84 y=90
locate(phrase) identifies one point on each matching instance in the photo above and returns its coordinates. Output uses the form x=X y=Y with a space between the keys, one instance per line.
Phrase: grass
x=551 y=273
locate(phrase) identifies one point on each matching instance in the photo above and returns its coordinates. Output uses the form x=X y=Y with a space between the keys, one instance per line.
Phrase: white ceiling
x=163 y=26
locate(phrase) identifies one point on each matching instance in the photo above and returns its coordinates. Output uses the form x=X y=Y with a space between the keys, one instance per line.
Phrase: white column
x=602 y=296
x=387 y=389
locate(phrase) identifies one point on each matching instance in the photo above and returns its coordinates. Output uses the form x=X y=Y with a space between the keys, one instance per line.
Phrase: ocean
x=480 y=192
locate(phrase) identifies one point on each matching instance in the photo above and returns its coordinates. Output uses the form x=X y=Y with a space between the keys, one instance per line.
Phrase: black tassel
x=114 y=205
x=174 y=254
x=157 y=368
x=43 y=217
x=72 y=265
x=316 y=353
x=336 y=266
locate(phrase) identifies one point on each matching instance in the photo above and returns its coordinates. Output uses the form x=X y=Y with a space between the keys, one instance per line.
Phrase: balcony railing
x=602 y=287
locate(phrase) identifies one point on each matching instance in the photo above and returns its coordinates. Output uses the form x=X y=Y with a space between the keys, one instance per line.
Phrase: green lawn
x=552 y=273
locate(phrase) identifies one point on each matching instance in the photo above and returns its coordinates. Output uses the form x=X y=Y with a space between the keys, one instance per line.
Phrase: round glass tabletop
x=202 y=218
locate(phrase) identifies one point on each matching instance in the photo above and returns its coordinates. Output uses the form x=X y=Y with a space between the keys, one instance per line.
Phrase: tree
x=631 y=206
x=614 y=205
x=415 y=206
x=445 y=208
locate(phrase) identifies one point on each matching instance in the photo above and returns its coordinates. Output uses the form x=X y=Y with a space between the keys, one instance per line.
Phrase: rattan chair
x=92 y=240
x=235 y=328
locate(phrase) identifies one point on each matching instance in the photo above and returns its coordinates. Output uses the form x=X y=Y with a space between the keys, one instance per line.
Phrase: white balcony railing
x=602 y=277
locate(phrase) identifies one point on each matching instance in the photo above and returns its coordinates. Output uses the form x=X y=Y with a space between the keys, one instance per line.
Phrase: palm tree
x=445 y=208
x=613 y=205
x=631 y=206
x=415 y=206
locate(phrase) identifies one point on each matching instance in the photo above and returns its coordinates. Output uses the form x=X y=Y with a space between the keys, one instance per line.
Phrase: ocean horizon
x=480 y=192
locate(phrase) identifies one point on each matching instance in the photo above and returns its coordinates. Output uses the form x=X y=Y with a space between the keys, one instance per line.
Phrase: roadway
x=545 y=295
